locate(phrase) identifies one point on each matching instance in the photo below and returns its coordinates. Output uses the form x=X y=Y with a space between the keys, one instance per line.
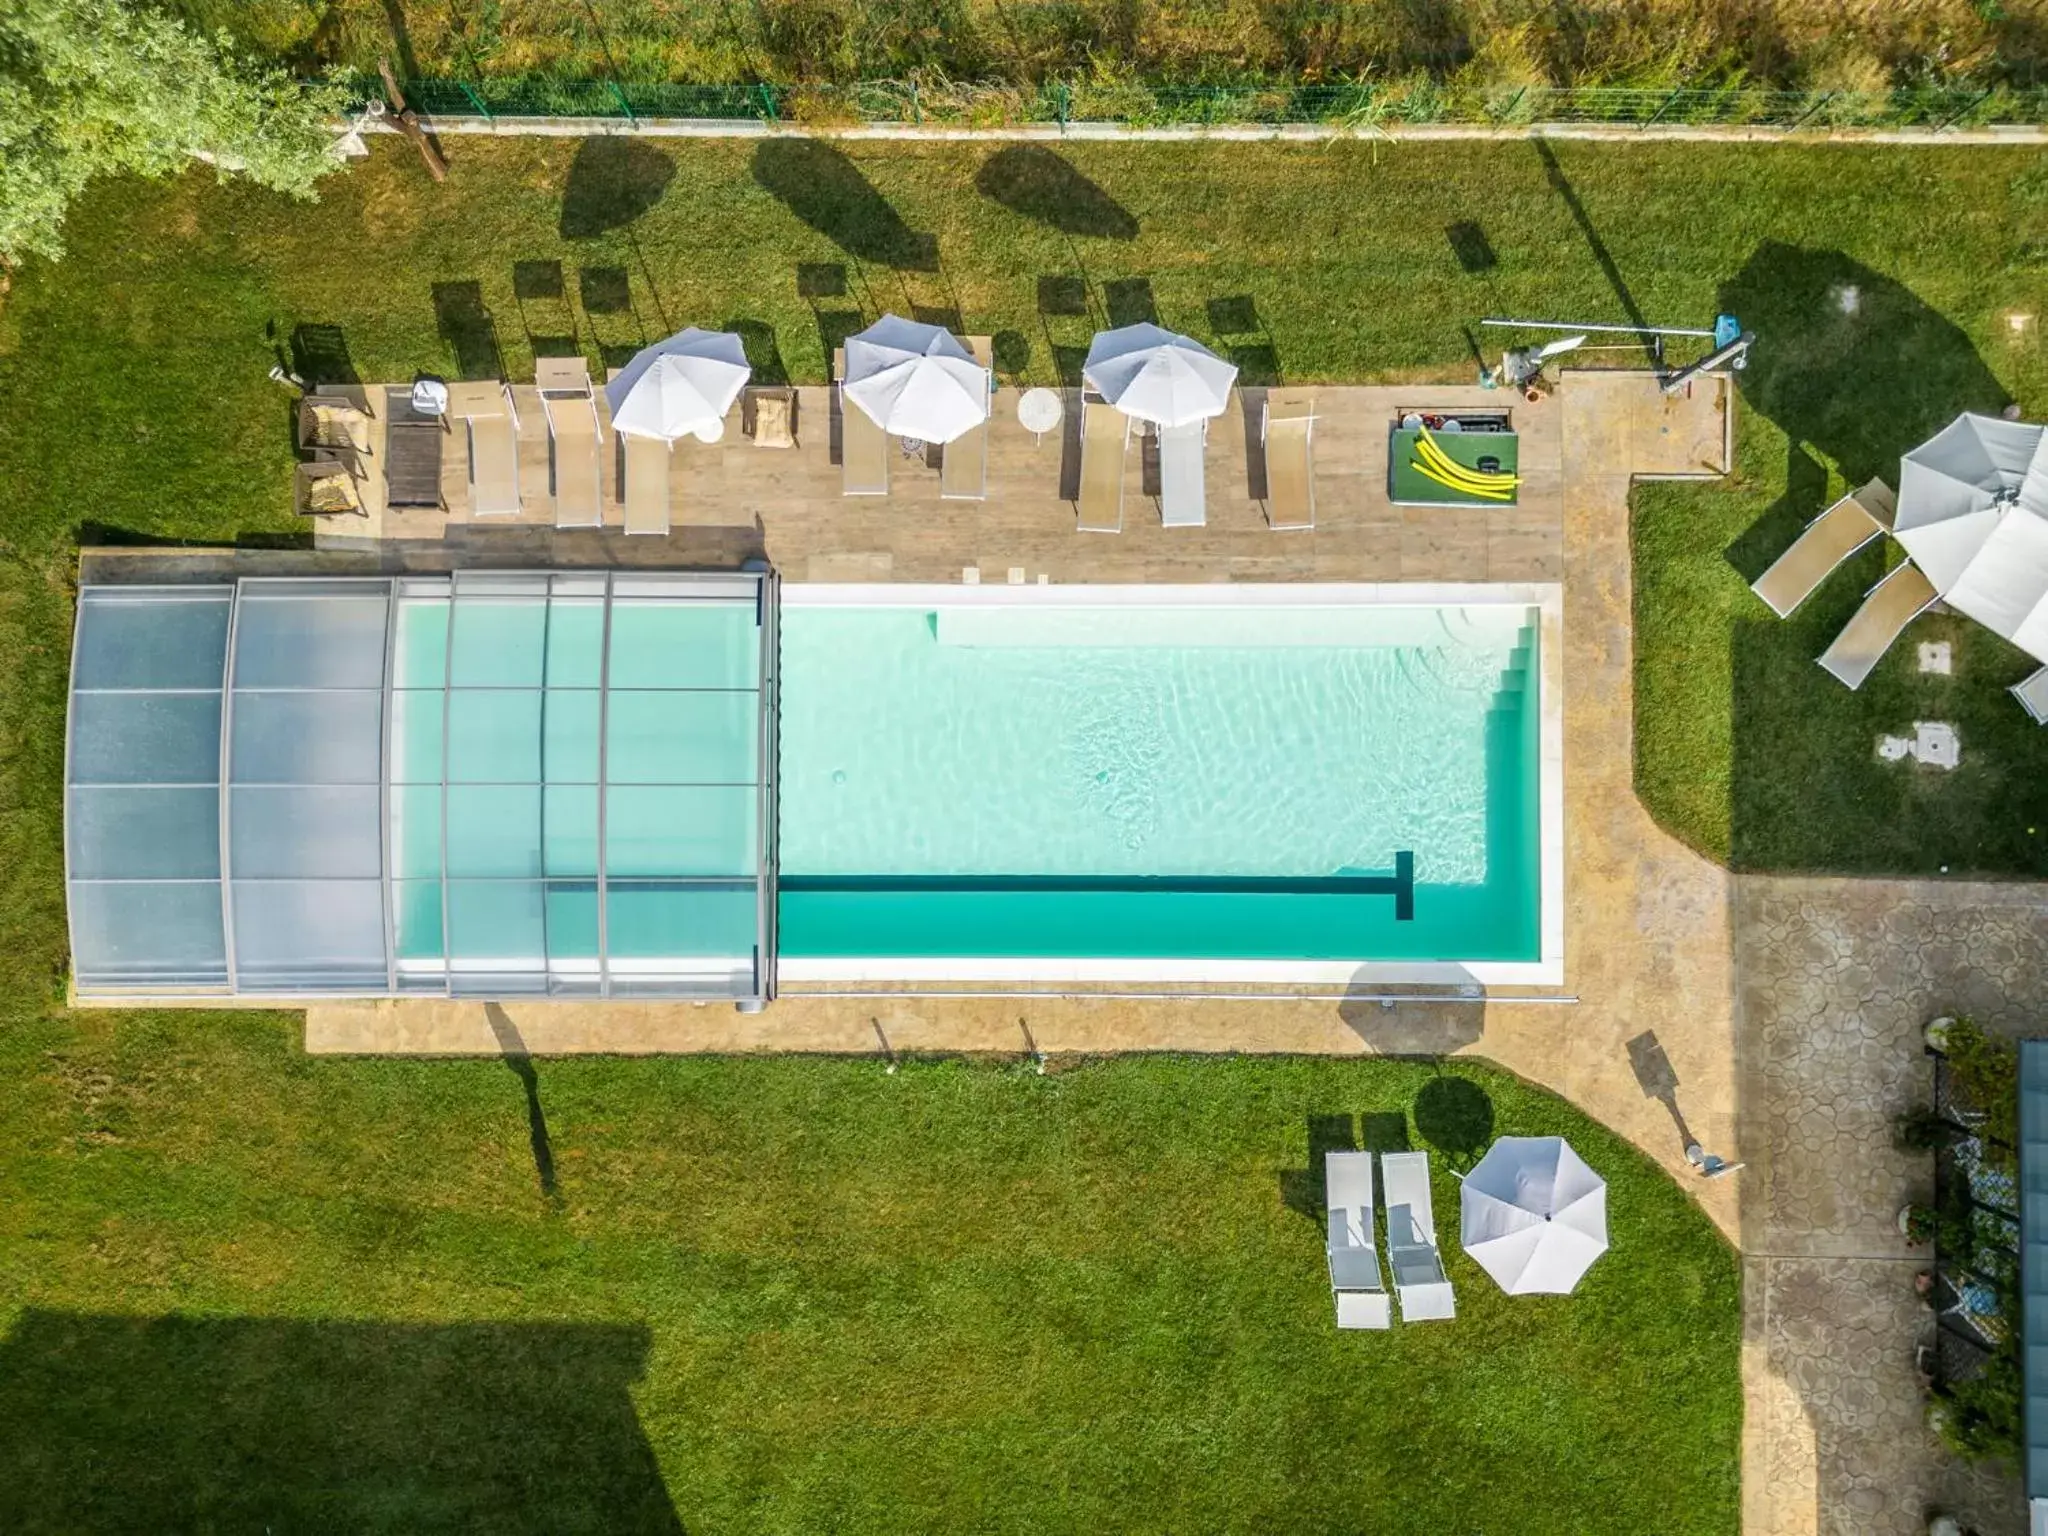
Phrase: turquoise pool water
x=1159 y=782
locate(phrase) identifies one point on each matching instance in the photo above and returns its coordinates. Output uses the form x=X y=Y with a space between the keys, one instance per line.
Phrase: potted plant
x=1936 y=1033
x=1918 y=1223
x=1923 y=1129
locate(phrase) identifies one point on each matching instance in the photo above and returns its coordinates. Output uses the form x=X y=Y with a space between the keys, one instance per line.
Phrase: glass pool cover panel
x=481 y=785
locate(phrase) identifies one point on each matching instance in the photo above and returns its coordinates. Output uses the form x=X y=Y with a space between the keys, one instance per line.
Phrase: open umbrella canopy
x=678 y=385
x=916 y=380
x=1149 y=372
x=1973 y=514
x=1534 y=1215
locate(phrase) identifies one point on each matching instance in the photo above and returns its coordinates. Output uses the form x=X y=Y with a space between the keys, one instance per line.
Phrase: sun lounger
x=643 y=487
x=2032 y=692
x=1183 y=494
x=492 y=428
x=1827 y=541
x=1890 y=606
x=1354 y=1262
x=574 y=464
x=1287 y=430
x=963 y=463
x=1419 y=1283
x=1105 y=440
x=863 y=445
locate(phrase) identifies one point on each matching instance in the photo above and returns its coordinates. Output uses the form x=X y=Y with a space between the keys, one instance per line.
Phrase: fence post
x=916 y=107
x=1968 y=107
x=765 y=94
x=1065 y=103
x=1666 y=105
x=619 y=96
x=1825 y=98
x=478 y=102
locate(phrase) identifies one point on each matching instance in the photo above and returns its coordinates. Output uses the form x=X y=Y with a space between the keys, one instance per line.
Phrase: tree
x=102 y=87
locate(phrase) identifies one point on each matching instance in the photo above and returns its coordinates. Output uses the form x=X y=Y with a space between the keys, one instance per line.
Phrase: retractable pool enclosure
x=485 y=784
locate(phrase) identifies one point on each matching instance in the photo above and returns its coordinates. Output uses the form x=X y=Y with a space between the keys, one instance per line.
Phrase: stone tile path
x=1835 y=979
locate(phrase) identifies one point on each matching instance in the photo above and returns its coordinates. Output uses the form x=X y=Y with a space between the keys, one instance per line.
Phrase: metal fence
x=1976 y=1251
x=1358 y=106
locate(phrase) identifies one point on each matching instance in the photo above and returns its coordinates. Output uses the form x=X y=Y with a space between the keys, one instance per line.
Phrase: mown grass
x=986 y=1300
x=245 y=1289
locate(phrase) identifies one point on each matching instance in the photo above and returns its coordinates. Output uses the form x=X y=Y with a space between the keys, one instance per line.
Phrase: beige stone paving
x=1835 y=980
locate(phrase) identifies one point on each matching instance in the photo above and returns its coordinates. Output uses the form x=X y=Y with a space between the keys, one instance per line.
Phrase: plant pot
x=1936 y=1033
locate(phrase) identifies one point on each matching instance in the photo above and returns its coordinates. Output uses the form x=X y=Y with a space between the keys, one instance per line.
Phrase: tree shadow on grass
x=1031 y=180
x=1850 y=362
x=115 y=1424
x=1856 y=370
x=612 y=182
x=828 y=192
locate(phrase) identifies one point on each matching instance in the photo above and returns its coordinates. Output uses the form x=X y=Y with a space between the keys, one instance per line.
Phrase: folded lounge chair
x=963 y=463
x=1105 y=440
x=1183 y=493
x=565 y=394
x=863 y=445
x=1287 y=432
x=1419 y=1283
x=1354 y=1262
x=327 y=487
x=2032 y=692
x=1890 y=606
x=1827 y=541
x=492 y=428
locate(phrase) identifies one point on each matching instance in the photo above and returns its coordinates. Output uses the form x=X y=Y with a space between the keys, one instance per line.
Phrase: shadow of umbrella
x=1849 y=361
x=1031 y=180
x=827 y=191
x=1455 y=1115
x=612 y=182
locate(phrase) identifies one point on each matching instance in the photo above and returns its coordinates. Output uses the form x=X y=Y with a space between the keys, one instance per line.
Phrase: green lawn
x=244 y=1290
x=959 y=1297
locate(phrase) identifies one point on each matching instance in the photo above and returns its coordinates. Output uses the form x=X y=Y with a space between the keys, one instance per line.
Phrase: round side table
x=1039 y=411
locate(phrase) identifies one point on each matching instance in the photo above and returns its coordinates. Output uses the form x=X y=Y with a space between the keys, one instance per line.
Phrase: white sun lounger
x=1354 y=1262
x=573 y=437
x=2032 y=692
x=1418 y=1267
x=963 y=463
x=491 y=427
x=1288 y=432
x=1825 y=543
x=863 y=445
x=1183 y=495
x=1105 y=439
x=1888 y=608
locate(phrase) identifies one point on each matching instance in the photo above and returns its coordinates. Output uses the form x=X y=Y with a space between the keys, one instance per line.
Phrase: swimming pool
x=1160 y=781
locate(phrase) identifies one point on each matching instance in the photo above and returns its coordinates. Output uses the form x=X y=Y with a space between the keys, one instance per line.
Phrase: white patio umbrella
x=1534 y=1215
x=916 y=380
x=1973 y=514
x=1149 y=372
x=679 y=385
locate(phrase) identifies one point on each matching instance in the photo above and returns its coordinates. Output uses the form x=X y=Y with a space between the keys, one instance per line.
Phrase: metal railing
x=1363 y=105
x=1983 y=1197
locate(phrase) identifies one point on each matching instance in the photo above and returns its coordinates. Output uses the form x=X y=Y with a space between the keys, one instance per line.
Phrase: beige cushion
x=771 y=422
x=331 y=491
x=333 y=424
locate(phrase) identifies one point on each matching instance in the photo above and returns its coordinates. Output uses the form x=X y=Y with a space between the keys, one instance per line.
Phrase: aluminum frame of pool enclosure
x=486 y=784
